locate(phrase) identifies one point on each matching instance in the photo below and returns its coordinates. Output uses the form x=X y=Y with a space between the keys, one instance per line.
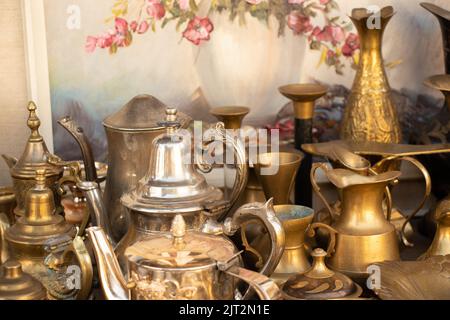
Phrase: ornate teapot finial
x=33 y=122
x=171 y=121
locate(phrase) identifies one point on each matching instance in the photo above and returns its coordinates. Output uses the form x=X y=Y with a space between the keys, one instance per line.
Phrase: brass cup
x=279 y=185
x=303 y=96
x=231 y=116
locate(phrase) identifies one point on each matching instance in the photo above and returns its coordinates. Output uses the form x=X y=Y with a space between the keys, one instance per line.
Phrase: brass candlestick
x=276 y=172
x=303 y=97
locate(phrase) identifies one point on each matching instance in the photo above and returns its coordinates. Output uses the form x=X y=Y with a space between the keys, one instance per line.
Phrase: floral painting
x=199 y=54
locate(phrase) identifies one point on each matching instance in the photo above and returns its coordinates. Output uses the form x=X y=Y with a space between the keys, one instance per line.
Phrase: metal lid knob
x=33 y=122
x=171 y=120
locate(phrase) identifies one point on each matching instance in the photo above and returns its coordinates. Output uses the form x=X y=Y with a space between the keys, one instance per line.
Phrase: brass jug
x=34 y=157
x=363 y=234
x=370 y=114
x=45 y=244
x=130 y=133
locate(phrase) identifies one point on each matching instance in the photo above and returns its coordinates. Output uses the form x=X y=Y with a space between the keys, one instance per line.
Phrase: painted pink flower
x=333 y=34
x=143 y=27
x=325 y=2
x=105 y=40
x=198 y=29
x=351 y=45
x=254 y=1
x=91 y=44
x=296 y=1
x=156 y=9
x=299 y=23
x=133 y=26
x=184 y=5
x=121 y=25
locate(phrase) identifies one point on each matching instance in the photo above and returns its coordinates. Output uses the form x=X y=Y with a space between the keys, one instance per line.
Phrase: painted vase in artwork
x=370 y=114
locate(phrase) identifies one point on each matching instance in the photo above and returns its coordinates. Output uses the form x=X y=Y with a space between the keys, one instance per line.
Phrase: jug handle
x=241 y=164
x=265 y=288
x=311 y=232
x=316 y=187
x=4 y=250
x=264 y=213
x=78 y=248
x=427 y=193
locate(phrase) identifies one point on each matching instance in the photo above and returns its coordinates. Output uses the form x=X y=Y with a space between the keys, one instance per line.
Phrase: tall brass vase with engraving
x=370 y=114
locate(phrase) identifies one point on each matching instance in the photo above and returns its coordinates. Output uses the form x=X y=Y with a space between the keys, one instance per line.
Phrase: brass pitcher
x=363 y=234
x=370 y=114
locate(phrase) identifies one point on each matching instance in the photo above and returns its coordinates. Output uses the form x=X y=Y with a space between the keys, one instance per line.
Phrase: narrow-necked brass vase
x=303 y=97
x=41 y=239
x=370 y=114
x=277 y=171
x=34 y=157
x=363 y=234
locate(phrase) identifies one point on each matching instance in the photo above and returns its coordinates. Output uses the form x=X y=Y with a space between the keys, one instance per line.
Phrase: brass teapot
x=45 y=244
x=181 y=265
x=34 y=157
x=361 y=233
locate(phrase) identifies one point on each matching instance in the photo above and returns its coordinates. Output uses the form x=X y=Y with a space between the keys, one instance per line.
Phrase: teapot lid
x=320 y=283
x=172 y=184
x=18 y=285
x=142 y=113
x=181 y=249
x=36 y=152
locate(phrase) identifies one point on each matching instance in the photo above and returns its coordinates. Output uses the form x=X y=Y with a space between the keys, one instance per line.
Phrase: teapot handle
x=4 y=251
x=264 y=213
x=241 y=164
x=265 y=288
x=316 y=188
x=311 y=232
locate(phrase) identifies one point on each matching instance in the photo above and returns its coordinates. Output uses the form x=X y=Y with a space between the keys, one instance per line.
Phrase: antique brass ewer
x=370 y=114
x=45 y=244
x=34 y=157
x=362 y=233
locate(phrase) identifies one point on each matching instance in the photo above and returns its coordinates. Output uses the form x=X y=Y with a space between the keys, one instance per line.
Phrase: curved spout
x=10 y=161
x=97 y=209
x=111 y=277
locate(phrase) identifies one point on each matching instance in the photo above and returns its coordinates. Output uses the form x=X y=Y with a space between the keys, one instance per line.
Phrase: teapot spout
x=111 y=277
x=10 y=161
x=97 y=209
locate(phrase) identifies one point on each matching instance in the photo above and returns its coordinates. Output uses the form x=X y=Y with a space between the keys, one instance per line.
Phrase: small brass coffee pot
x=363 y=234
x=180 y=265
x=45 y=244
x=18 y=285
x=34 y=157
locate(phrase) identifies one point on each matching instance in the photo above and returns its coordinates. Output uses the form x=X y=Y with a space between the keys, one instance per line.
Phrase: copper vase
x=370 y=114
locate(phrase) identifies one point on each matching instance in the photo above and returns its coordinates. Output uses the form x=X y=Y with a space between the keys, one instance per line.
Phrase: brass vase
x=276 y=171
x=303 y=97
x=370 y=114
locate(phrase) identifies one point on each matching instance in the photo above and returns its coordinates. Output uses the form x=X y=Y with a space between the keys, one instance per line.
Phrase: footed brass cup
x=277 y=171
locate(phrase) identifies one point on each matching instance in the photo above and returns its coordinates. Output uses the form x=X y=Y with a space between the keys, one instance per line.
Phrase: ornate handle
x=266 y=214
x=88 y=158
x=4 y=250
x=264 y=287
x=311 y=232
x=316 y=188
x=427 y=193
x=241 y=163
